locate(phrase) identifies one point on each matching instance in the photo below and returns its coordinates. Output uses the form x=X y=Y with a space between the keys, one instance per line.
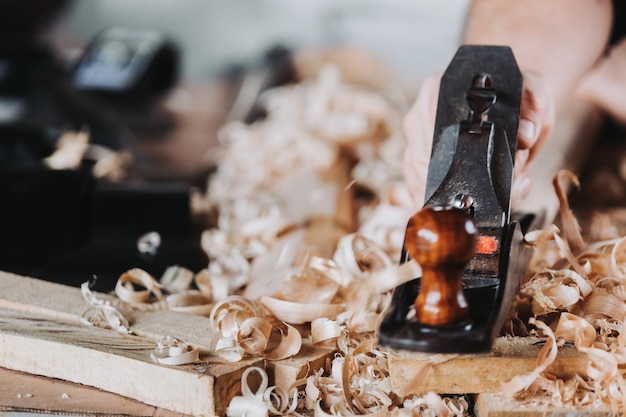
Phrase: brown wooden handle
x=442 y=240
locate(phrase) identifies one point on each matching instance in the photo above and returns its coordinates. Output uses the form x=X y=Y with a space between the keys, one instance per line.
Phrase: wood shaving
x=149 y=243
x=242 y=329
x=578 y=289
x=258 y=250
x=174 y=352
x=72 y=148
x=69 y=152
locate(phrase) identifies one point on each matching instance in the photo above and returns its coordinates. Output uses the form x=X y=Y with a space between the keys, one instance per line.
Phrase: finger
x=537 y=113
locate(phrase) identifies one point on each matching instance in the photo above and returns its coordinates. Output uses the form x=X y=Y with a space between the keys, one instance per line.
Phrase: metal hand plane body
x=471 y=253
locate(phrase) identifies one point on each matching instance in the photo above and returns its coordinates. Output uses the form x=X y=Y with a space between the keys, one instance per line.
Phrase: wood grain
x=470 y=374
x=202 y=390
x=22 y=392
x=497 y=405
x=110 y=361
x=59 y=303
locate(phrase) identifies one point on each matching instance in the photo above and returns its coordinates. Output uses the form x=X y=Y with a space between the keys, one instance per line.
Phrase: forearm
x=561 y=39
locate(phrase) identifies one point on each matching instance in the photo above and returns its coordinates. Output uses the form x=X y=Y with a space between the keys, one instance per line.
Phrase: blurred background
x=413 y=37
x=109 y=109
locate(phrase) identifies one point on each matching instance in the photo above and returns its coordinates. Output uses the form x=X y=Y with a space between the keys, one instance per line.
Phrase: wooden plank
x=215 y=380
x=61 y=302
x=470 y=374
x=111 y=361
x=22 y=392
x=498 y=405
x=58 y=302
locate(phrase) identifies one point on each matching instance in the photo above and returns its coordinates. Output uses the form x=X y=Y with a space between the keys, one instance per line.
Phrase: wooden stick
x=114 y=362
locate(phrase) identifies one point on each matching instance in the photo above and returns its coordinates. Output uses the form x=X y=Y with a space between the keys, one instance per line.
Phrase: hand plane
x=471 y=253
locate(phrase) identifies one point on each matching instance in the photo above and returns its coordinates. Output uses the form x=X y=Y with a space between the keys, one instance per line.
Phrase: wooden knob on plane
x=442 y=240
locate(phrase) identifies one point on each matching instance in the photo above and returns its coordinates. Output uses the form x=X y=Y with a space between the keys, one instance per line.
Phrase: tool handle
x=442 y=240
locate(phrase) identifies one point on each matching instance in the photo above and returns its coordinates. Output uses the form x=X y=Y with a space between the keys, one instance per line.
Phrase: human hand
x=537 y=115
x=604 y=84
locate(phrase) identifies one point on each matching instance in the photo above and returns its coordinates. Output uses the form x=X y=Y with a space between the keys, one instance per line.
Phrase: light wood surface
x=497 y=405
x=22 y=392
x=107 y=360
x=124 y=368
x=471 y=374
x=54 y=304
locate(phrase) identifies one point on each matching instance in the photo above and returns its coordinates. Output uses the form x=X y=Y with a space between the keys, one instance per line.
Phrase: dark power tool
x=470 y=251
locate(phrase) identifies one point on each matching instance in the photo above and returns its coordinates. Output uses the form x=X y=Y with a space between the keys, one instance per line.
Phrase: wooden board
x=497 y=405
x=24 y=392
x=60 y=303
x=470 y=374
x=217 y=382
x=114 y=362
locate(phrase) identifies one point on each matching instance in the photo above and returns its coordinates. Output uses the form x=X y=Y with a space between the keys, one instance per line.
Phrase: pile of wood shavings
x=265 y=278
x=261 y=269
x=576 y=294
x=261 y=228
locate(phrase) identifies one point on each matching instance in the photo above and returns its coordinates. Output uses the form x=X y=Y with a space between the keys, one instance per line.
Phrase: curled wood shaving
x=546 y=357
x=174 y=352
x=290 y=344
x=190 y=302
x=604 y=305
x=257 y=249
x=572 y=327
x=125 y=291
x=242 y=330
x=433 y=404
x=585 y=284
x=556 y=290
x=214 y=286
x=299 y=313
x=176 y=279
x=102 y=313
x=324 y=330
x=149 y=243
x=249 y=404
x=265 y=401
x=106 y=317
x=571 y=228
x=385 y=225
x=357 y=383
